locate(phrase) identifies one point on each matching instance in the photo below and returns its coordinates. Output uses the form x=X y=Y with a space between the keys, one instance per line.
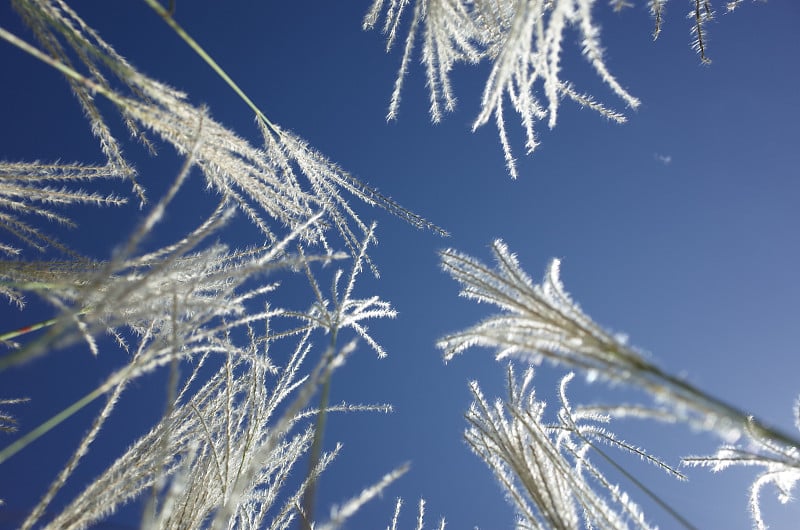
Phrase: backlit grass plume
x=243 y=368
x=222 y=452
x=31 y=190
x=546 y=468
x=541 y=322
x=524 y=41
x=219 y=456
x=779 y=465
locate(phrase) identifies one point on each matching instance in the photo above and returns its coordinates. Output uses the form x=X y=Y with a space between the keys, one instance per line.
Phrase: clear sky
x=679 y=228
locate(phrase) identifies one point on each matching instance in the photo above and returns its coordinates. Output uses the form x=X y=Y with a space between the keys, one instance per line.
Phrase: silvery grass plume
x=779 y=464
x=546 y=468
x=179 y=331
x=8 y=423
x=221 y=455
x=33 y=189
x=282 y=184
x=144 y=293
x=177 y=286
x=46 y=19
x=342 y=310
x=701 y=13
x=187 y=300
x=524 y=41
x=341 y=514
x=541 y=321
x=420 y=516
x=176 y=307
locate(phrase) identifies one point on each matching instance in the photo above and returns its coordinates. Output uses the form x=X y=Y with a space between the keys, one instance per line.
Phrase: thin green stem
x=195 y=46
x=33 y=348
x=9 y=335
x=48 y=425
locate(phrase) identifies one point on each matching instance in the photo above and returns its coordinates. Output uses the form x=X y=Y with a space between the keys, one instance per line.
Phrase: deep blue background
x=696 y=260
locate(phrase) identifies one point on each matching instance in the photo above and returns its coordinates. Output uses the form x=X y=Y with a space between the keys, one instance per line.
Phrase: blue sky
x=678 y=228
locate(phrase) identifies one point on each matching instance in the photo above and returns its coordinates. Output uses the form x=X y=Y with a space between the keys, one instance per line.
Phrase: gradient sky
x=679 y=228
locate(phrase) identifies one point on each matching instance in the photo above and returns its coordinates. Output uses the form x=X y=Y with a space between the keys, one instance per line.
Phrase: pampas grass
x=248 y=379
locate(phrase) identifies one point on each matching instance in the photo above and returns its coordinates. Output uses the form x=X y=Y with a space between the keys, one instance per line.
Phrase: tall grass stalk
x=234 y=430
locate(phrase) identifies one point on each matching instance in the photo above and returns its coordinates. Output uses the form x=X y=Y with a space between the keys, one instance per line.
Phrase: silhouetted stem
x=639 y=484
x=693 y=397
x=316 y=445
